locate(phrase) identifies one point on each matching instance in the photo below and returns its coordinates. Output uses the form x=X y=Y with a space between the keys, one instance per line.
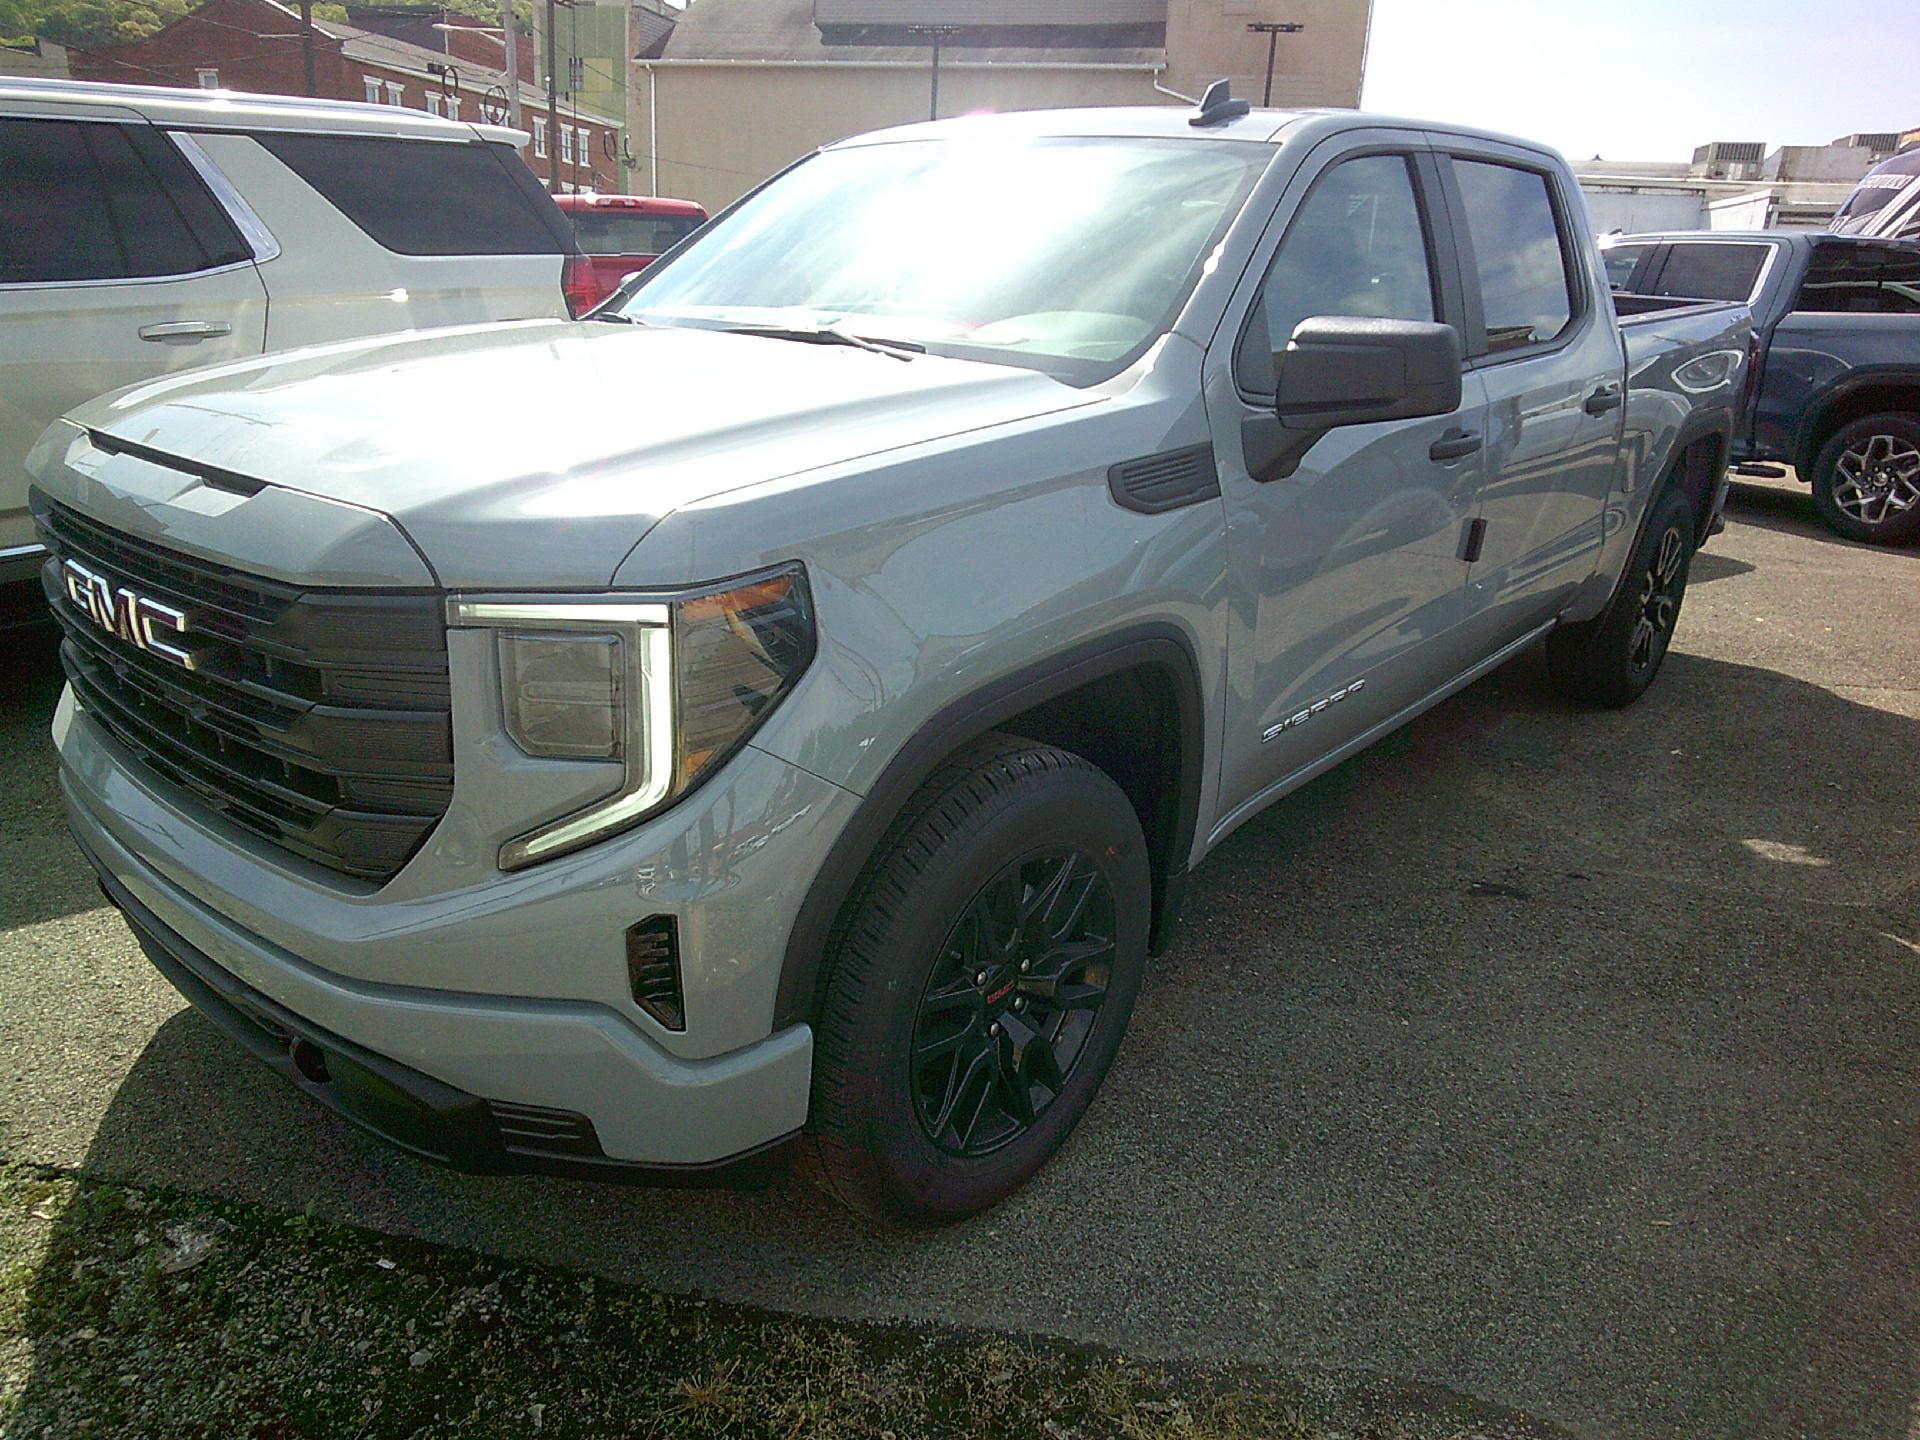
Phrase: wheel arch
x=1895 y=392
x=1699 y=465
x=1130 y=703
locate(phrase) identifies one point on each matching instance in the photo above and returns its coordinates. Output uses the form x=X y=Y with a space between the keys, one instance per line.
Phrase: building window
x=539 y=138
x=453 y=107
x=433 y=102
x=396 y=93
x=209 y=79
x=566 y=144
x=373 y=89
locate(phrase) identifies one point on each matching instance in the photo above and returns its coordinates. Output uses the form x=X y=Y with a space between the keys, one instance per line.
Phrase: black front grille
x=316 y=718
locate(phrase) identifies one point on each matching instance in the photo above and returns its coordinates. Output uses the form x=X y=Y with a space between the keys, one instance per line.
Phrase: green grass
x=126 y=1312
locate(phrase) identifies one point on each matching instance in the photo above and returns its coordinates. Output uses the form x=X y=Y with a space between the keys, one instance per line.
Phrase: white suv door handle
x=186 y=330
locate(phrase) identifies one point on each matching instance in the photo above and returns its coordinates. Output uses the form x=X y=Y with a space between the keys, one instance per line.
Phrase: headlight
x=668 y=686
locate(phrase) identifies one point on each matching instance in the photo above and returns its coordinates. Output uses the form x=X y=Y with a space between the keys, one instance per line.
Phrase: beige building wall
x=1322 y=65
x=725 y=126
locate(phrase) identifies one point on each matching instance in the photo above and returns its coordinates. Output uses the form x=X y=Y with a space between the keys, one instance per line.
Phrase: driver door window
x=1356 y=247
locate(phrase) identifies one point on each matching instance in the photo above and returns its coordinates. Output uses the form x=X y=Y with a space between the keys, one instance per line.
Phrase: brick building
x=255 y=45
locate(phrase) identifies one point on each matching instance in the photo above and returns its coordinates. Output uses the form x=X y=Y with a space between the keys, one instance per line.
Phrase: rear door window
x=429 y=197
x=1710 y=270
x=1851 y=278
x=88 y=200
x=1520 y=252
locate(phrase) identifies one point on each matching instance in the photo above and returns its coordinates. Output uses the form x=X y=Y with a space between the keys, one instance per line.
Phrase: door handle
x=1607 y=397
x=1454 y=443
x=186 y=330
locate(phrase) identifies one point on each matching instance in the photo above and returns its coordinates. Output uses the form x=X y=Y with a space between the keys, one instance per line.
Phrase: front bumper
x=402 y=1106
x=348 y=973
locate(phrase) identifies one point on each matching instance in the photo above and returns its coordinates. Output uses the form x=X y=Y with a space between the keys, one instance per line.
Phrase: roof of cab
x=1120 y=120
x=1765 y=237
x=236 y=110
x=1172 y=121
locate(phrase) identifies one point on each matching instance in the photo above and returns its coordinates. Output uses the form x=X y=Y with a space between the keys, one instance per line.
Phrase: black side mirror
x=1355 y=370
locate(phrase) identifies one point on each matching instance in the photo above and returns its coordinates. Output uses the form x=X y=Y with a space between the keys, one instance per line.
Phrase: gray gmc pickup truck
x=779 y=713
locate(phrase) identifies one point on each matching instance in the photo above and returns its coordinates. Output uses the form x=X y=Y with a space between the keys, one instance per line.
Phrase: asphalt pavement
x=1561 y=1059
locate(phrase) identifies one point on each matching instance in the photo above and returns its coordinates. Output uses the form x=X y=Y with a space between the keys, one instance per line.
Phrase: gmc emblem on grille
x=133 y=617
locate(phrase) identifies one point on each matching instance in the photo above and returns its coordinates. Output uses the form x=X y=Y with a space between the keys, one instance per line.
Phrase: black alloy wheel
x=979 y=984
x=1659 y=605
x=1016 y=991
x=1613 y=658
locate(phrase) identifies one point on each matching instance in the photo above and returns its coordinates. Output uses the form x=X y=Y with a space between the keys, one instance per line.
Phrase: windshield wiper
x=830 y=335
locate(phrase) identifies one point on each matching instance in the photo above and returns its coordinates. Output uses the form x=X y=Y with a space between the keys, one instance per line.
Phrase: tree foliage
x=85 y=24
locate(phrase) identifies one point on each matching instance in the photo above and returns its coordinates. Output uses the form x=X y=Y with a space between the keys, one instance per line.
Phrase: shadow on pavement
x=1788 y=508
x=33 y=830
x=1710 y=565
x=1560 y=1058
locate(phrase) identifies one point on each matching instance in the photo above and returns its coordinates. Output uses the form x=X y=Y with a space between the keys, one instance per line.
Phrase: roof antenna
x=1218 y=106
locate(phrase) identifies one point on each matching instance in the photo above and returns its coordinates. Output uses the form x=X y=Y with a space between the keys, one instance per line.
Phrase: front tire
x=1866 y=480
x=1611 y=660
x=980 y=988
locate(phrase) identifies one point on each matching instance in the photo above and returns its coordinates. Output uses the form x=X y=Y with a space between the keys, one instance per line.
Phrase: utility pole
x=509 y=36
x=306 y=42
x=553 y=108
x=1273 y=31
x=935 y=33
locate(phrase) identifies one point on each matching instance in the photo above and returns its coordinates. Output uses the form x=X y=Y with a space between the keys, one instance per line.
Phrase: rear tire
x=1866 y=480
x=979 y=990
x=1611 y=660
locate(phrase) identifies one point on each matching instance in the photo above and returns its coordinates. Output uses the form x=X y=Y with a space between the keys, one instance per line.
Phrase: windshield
x=1069 y=256
x=628 y=232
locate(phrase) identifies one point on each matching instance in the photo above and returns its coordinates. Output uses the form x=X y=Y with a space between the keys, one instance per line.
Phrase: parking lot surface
x=1557 y=1058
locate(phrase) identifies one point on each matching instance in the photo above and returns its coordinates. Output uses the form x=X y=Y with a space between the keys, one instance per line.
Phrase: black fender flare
x=1814 y=415
x=1158 y=645
x=1716 y=424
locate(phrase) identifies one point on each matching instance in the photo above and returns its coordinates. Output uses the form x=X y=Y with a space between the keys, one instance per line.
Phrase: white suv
x=150 y=230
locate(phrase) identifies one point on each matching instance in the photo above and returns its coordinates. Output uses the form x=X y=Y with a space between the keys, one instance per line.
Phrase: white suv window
x=87 y=200
x=486 y=202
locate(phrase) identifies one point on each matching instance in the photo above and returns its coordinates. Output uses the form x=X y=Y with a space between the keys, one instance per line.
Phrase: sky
x=1650 y=79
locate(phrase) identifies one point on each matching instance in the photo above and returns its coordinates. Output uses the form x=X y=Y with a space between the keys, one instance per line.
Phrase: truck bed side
x=1686 y=369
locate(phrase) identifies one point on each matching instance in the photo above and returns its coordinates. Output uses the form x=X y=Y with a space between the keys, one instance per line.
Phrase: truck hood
x=538 y=454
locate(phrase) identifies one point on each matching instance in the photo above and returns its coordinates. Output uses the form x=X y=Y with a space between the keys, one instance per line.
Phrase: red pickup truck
x=620 y=234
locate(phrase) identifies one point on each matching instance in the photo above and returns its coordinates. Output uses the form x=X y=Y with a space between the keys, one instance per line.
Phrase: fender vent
x=1156 y=483
x=653 y=969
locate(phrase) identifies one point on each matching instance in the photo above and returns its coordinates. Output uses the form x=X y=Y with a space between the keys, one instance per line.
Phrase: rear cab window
x=1522 y=253
x=629 y=232
x=429 y=197
x=97 y=200
x=1712 y=270
x=1851 y=278
x=1622 y=261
